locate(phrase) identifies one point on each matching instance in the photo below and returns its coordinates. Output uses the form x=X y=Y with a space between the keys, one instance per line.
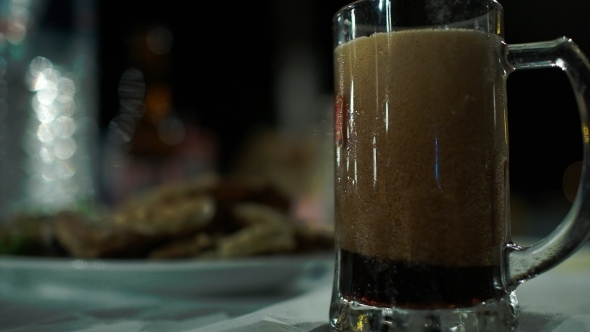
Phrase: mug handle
x=524 y=263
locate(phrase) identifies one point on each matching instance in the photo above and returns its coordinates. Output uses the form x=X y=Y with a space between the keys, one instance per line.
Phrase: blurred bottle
x=149 y=142
x=48 y=105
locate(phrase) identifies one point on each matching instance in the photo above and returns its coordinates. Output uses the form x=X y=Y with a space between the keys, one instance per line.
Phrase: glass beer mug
x=421 y=177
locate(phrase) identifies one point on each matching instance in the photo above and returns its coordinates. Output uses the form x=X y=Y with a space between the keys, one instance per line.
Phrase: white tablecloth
x=557 y=301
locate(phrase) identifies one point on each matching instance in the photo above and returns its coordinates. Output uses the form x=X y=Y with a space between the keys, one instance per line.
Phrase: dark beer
x=421 y=168
x=383 y=283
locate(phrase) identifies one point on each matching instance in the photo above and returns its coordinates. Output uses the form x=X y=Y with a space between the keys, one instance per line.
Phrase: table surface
x=557 y=301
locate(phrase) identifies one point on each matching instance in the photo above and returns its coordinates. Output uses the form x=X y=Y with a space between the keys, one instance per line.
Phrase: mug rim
x=356 y=3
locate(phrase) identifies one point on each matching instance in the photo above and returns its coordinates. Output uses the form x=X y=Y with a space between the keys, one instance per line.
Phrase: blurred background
x=151 y=92
x=268 y=64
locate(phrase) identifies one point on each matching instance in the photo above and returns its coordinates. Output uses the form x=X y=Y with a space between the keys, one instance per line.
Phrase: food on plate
x=265 y=230
x=208 y=217
x=27 y=234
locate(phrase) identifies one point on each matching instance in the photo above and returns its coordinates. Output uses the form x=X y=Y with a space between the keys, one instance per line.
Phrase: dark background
x=224 y=61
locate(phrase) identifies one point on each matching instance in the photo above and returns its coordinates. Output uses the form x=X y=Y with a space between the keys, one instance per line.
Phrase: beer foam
x=422 y=164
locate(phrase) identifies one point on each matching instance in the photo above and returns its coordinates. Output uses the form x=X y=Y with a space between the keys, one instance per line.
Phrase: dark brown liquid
x=383 y=282
x=421 y=151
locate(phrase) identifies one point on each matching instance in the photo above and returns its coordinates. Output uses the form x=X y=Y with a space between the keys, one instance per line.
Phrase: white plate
x=254 y=275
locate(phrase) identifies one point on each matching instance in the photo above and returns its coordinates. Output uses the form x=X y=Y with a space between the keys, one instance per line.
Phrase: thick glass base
x=493 y=316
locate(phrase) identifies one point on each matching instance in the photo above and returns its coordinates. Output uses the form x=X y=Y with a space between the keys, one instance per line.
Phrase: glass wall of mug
x=421 y=168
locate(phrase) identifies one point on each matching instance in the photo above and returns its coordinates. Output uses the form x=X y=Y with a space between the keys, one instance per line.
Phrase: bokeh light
x=131 y=94
x=52 y=151
x=159 y=40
